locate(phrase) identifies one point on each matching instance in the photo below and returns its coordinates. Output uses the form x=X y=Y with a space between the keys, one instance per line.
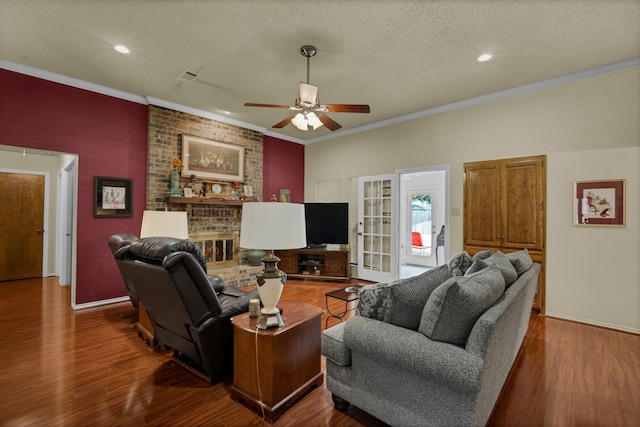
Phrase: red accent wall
x=283 y=167
x=108 y=134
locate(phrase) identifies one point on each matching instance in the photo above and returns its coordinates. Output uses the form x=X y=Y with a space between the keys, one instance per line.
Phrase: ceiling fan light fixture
x=303 y=120
x=308 y=94
x=311 y=113
x=300 y=122
x=313 y=120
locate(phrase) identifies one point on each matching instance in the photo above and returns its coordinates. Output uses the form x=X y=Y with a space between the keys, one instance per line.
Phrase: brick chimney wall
x=165 y=129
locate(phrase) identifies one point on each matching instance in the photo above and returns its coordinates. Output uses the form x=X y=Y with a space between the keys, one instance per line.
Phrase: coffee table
x=348 y=294
x=287 y=361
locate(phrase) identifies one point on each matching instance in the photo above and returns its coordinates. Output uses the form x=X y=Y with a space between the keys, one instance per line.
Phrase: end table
x=287 y=363
x=349 y=294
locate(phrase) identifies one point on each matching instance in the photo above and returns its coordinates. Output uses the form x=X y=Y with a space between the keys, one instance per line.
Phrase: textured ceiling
x=400 y=57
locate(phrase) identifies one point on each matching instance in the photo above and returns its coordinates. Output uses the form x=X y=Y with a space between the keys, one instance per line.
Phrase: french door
x=377 y=228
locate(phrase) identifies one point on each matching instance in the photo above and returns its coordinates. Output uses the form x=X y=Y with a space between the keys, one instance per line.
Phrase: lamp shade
x=164 y=224
x=268 y=225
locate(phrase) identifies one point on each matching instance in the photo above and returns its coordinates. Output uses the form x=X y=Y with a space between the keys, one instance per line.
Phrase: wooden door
x=21 y=225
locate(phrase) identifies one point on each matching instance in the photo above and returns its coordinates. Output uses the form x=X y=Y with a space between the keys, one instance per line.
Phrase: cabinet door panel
x=336 y=264
x=482 y=204
x=288 y=262
x=522 y=204
x=504 y=209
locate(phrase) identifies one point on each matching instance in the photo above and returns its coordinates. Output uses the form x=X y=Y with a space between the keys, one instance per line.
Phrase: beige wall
x=589 y=129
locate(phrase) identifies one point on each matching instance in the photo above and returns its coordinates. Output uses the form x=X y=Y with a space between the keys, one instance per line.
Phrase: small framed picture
x=599 y=203
x=112 y=196
x=285 y=195
x=188 y=192
x=248 y=190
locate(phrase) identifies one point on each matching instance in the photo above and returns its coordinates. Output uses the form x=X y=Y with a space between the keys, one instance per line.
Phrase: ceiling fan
x=309 y=112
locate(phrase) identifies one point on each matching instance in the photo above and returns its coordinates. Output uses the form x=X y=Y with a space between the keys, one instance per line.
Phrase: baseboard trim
x=615 y=328
x=94 y=304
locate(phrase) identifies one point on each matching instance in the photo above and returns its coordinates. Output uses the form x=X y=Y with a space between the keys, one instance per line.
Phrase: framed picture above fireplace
x=209 y=159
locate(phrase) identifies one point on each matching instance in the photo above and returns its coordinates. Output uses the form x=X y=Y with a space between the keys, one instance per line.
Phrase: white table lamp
x=272 y=226
x=164 y=224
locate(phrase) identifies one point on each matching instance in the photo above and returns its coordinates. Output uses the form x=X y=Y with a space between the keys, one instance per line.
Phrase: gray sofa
x=436 y=349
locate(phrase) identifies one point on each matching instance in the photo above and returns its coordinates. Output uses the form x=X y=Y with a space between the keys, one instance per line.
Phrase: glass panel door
x=377 y=243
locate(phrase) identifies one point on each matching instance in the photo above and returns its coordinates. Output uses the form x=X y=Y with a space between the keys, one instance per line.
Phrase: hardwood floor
x=88 y=368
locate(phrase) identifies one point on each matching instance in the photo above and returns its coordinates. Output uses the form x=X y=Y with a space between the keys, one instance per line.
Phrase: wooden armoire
x=504 y=210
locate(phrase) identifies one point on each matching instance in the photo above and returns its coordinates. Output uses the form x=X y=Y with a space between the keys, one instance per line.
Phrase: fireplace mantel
x=205 y=201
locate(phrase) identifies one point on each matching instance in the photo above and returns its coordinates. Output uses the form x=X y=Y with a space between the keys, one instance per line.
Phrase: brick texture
x=165 y=130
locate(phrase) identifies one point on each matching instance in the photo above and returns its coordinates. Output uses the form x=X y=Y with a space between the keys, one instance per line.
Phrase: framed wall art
x=112 y=196
x=600 y=203
x=285 y=195
x=209 y=159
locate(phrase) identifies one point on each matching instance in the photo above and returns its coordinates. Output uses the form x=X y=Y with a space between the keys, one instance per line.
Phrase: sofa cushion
x=482 y=255
x=453 y=307
x=459 y=263
x=409 y=296
x=375 y=301
x=521 y=260
x=501 y=262
x=333 y=345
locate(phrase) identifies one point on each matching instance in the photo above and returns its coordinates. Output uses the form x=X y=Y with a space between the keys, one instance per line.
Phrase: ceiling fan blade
x=347 y=108
x=328 y=122
x=308 y=93
x=284 y=122
x=251 y=104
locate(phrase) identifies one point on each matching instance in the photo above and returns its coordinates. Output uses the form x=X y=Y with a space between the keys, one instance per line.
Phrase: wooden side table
x=145 y=328
x=287 y=361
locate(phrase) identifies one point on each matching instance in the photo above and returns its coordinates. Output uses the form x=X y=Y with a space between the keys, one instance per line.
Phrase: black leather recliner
x=115 y=242
x=190 y=312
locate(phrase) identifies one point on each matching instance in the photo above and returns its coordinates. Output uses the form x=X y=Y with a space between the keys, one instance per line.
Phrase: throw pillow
x=375 y=301
x=506 y=268
x=410 y=295
x=476 y=266
x=482 y=255
x=453 y=307
x=459 y=263
x=521 y=260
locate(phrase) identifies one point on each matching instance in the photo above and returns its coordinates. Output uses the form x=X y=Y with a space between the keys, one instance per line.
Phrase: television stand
x=315 y=263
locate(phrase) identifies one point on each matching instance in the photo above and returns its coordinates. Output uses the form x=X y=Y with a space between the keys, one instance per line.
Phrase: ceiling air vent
x=187 y=76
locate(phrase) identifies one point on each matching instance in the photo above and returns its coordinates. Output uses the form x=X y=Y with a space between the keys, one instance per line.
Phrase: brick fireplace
x=217 y=227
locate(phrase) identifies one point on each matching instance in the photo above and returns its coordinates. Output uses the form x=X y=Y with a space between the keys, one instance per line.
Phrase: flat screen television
x=327 y=223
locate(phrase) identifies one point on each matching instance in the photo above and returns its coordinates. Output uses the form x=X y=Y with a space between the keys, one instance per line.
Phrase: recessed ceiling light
x=485 y=57
x=121 y=49
x=226 y=112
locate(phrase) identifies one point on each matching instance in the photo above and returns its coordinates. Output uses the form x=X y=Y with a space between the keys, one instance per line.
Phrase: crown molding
x=70 y=81
x=568 y=78
x=201 y=113
x=81 y=84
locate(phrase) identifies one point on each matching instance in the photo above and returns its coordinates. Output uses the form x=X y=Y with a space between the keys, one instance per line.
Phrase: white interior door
x=66 y=212
x=377 y=228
